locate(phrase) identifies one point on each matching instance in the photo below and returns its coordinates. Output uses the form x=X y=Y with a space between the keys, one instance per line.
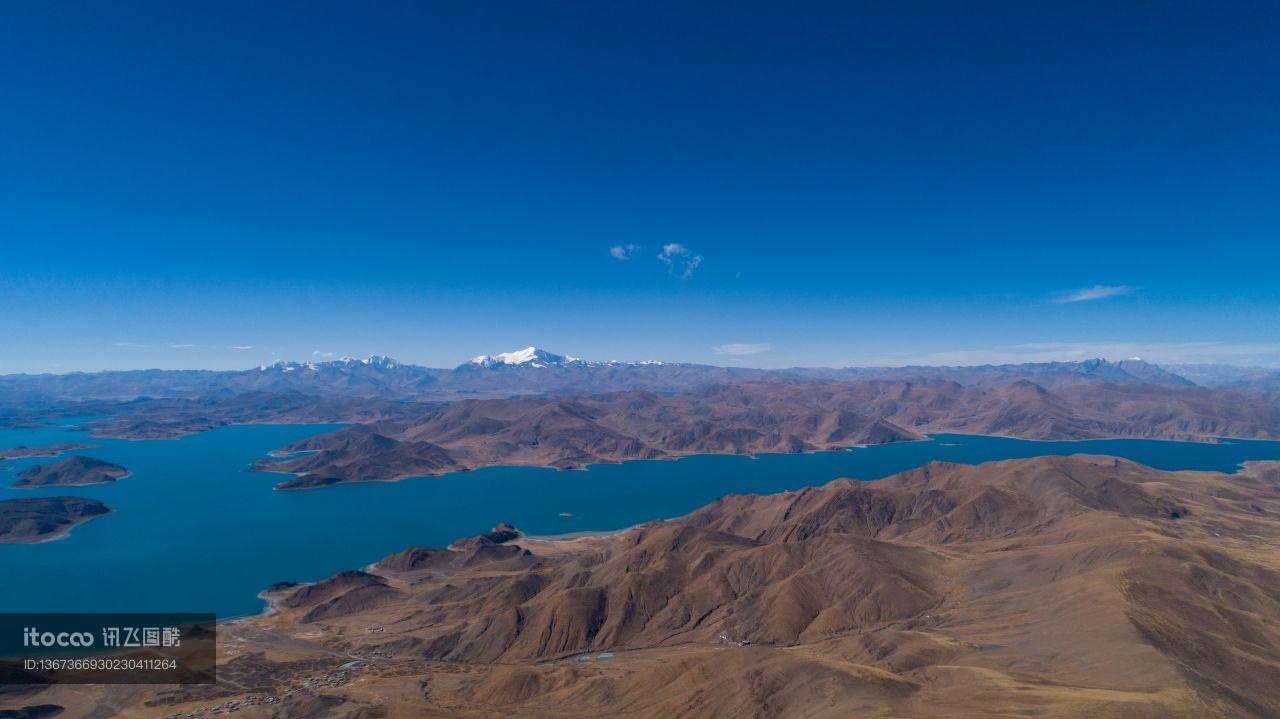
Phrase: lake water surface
x=194 y=531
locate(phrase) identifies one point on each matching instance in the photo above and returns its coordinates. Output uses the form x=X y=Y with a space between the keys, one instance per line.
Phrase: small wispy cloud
x=242 y=347
x=1097 y=292
x=318 y=353
x=623 y=252
x=180 y=346
x=134 y=345
x=679 y=259
x=744 y=348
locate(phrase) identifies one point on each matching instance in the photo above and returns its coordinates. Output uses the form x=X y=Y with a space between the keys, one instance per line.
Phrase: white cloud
x=740 y=349
x=623 y=252
x=1097 y=292
x=680 y=261
x=318 y=353
x=134 y=345
x=1265 y=354
x=242 y=347
x=180 y=346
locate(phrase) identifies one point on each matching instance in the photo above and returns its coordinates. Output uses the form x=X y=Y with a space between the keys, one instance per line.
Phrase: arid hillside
x=571 y=432
x=1054 y=587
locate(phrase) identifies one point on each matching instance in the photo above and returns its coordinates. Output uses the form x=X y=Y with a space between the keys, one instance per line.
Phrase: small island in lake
x=71 y=472
x=40 y=519
x=48 y=450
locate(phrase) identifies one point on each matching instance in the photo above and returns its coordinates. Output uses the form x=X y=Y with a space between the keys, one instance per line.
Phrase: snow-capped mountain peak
x=342 y=364
x=527 y=357
x=283 y=366
x=371 y=361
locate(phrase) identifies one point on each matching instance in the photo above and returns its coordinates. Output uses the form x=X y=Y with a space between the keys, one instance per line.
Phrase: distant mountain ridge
x=1046 y=374
x=533 y=371
x=1217 y=375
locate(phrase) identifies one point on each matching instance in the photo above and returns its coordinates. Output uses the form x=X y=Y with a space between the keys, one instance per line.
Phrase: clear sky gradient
x=770 y=184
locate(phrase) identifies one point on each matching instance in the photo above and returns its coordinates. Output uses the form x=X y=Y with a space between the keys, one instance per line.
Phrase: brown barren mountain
x=1056 y=587
x=762 y=417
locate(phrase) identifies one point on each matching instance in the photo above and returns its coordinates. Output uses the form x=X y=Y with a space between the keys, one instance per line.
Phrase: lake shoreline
x=190 y=510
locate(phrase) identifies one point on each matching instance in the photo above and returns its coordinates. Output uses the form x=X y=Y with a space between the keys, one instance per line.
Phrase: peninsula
x=755 y=417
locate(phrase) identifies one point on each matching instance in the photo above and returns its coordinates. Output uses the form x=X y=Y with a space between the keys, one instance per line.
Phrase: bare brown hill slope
x=1052 y=587
x=749 y=418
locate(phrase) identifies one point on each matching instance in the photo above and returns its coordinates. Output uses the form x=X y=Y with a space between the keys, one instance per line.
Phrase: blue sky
x=748 y=183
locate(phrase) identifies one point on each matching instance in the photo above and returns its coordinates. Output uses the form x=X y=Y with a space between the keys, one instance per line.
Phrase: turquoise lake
x=194 y=531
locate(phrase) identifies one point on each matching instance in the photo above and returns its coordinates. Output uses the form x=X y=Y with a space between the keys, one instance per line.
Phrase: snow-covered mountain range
x=534 y=371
